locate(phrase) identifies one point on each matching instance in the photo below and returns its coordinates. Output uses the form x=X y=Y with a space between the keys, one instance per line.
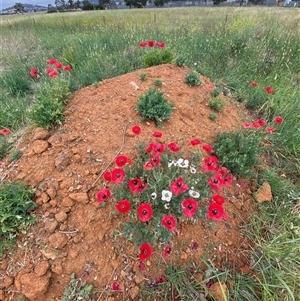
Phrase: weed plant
x=15 y=206
x=217 y=104
x=158 y=82
x=154 y=106
x=192 y=79
x=143 y=76
x=157 y=57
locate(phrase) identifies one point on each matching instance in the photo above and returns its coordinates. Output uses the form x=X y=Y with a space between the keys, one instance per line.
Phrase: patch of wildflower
x=161 y=188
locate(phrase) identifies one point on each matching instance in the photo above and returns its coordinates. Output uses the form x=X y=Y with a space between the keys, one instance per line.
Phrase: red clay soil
x=73 y=234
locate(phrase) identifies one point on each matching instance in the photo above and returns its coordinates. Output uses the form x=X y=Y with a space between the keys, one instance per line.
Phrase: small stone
x=67 y=202
x=81 y=197
x=57 y=269
x=53 y=203
x=44 y=197
x=264 y=193
x=148 y=123
x=219 y=291
x=39 y=146
x=40 y=134
x=61 y=216
x=50 y=226
x=138 y=279
x=1 y=294
x=62 y=161
x=183 y=256
x=148 y=263
x=73 y=253
x=42 y=268
x=3 y=264
x=7 y=282
x=77 y=239
x=58 y=240
x=51 y=192
x=133 y=292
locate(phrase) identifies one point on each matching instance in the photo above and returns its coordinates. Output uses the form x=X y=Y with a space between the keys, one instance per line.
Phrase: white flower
x=167 y=205
x=153 y=195
x=193 y=169
x=183 y=163
x=170 y=163
x=166 y=195
x=194 y=194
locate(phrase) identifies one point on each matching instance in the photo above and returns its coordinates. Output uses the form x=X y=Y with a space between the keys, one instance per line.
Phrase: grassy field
x=228 y=44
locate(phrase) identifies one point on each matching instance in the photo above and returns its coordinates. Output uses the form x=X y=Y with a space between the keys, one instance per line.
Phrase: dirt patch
x=73 y=234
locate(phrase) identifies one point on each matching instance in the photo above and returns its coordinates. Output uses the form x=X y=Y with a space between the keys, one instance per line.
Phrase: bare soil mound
x=73 y=234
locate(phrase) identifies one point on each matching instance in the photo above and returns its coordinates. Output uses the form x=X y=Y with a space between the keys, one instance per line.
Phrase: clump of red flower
x=152 y=43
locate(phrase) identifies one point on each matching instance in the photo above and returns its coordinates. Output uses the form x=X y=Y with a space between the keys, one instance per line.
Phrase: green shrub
x=46 y=113
x=212 y=116
x=152 y=105
x=181 y=60
x=157 y=57
x=256 y=100
x=192 y=79
x=238 y=151
x=15 y=205
x=76 y=290
x=216 y=92
x=143 y=76
x=4 y=147
x=15 y=155
x=158 y=82
x=217 y=104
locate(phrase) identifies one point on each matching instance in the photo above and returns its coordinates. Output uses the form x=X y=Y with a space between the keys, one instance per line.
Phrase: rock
x=133 y=292
x=81 y=197
x=33 y=286
x=3 y=264
x=62 y=161
x=61 y=216
x=73 y=253
x=129 y=133
x=51 y=191
x=77 y=239
x=138 y=279
x=50 y=253
x=39 y=146
x=1 y=294
x=135 y=86
x=42 y=268
x=264 y=193
x=219 y=291
x=57 y=269
x=67 y=202
x=58 y=240
x=40 y=134
x=50 y=226
x=7 y=282
x=183 y=256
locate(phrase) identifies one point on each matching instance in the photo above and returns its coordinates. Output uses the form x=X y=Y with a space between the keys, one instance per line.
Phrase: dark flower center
x=215 y=211
x=123 y=207
x=178 y=184
x=168 y=250
x=189 y=206
x=141 y=186
x=103 y=196
x=144 y=252
x=135 y=182
x=169 y=222
x=118 y=175
x=216 y=181
x=144 y=212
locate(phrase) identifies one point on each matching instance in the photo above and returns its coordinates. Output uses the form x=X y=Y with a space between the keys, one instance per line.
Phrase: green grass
x=229 y=44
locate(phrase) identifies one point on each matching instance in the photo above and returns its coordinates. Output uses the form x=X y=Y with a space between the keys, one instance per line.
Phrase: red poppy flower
x=52 y=61
x=174 y=147
x=207 y=147
x=224 y=175
x=136 y=185
x=253 y=84
x=145 y=212
x=52 y=74
x=262 y=122
x=155 y=160
x=121 y=160
x=160 y=44
x=49 y=70
x=67 y=68
x=189 y=207
x=167 y=251
x=136 y=130
x=178 y=186
x=215 y=182
x=143 y=44
x=169 y=222
x=218 y=199
x=157 y=134
x=269 y=90
x=148 y=166
x=58 y=65
x=151 y=43
x=156 y=148
x=145 y=251
x=5 y=132
x=216 y=212
x=107 y=176
x=210 y=163
x=222 y=171
x=123 y=206
x=247 y=125
x=270 y=130
x=195 y=142
x=115 y=286
x=161 y=279
x=226 y=180
x=117 y=175
x=278 y=120
x=34 y=72
x=103 y=195
x=255 y=125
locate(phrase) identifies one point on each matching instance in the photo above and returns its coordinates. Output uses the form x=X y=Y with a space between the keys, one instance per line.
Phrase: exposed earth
x=65 y=165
